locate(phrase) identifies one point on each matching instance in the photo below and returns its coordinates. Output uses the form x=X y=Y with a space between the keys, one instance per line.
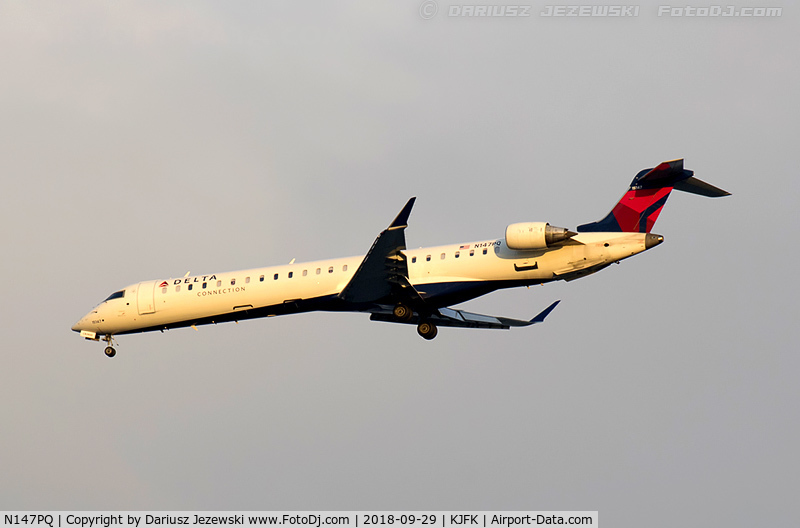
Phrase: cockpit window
x=116 y=295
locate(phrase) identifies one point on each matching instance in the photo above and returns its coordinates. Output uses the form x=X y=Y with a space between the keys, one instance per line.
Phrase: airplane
x=395 y=284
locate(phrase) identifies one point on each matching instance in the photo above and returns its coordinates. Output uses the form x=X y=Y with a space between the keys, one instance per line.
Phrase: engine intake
x=535 y=235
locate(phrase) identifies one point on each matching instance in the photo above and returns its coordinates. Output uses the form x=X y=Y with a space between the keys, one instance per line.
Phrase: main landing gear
x=110 y=352
x=427 y=330
x=404 y=314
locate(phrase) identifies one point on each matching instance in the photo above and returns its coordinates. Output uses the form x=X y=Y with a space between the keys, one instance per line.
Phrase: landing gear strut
x=427 y=330
x=110 y=352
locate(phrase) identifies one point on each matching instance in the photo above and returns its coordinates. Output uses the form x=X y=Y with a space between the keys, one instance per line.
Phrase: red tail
x=638 y=209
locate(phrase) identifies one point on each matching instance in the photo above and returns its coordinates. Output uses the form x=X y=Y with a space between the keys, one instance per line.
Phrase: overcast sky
x=141 y=140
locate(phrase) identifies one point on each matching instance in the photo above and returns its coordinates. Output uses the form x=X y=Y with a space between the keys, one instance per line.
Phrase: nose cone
x=652 y=240
x=77 y=327
x=83 y=323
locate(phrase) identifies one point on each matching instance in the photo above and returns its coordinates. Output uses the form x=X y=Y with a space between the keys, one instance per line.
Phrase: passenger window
x=219 y=284
x=485 y=250
x=457 y=254
x=442 y=256
x=291 y=273
x=330 y=270
x=318 y=270
x=233 y=282
x=247 y=280
x=427 y=258
x=178 y=288
x=471 y=252
x=204 y=285
x=275 y=277
x=305 y=272
x=413 y=260
x=190 y=287
x=344 y=268
x=261 y=278
x=164 y=289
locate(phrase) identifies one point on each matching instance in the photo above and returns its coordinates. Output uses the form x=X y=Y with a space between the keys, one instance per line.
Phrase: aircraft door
x=146 y=297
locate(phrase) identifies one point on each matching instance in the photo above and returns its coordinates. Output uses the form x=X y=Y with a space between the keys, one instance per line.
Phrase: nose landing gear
x=110 y=352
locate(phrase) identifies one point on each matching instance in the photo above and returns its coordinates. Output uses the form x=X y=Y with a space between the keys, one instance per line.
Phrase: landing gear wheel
x=403 y=313
x=427 y=330
x=109 y=339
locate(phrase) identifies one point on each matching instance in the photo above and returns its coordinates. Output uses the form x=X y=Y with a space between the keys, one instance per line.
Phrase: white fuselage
x=442 y=275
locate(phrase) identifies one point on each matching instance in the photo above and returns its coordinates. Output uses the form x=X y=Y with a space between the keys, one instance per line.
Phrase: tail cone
x=652 y=240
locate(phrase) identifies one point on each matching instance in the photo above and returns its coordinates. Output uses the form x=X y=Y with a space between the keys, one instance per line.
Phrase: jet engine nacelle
x=535 y=235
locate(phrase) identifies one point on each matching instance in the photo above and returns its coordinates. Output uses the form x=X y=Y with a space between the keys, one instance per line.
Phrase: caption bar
x=140 y=519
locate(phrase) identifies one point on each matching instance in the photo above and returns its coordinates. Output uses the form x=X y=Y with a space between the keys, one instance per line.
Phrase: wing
x=460 y=318
x=384 y=270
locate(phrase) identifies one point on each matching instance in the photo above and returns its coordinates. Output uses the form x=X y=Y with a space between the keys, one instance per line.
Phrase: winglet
x=402 y=218
x=544 y=313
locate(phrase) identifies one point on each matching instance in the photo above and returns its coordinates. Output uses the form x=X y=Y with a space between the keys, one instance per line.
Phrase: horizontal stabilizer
x=696 y=186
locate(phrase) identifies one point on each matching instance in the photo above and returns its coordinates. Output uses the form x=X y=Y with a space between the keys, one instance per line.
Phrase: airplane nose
x=81 y=324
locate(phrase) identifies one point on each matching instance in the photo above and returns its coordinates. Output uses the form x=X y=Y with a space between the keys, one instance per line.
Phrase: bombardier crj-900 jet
x=399 y=285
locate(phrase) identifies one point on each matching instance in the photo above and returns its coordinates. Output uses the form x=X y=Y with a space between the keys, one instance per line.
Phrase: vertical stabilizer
x=639 y=207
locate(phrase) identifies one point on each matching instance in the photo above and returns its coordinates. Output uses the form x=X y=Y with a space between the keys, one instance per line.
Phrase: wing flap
x=463 y=319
